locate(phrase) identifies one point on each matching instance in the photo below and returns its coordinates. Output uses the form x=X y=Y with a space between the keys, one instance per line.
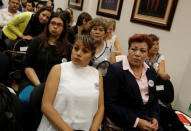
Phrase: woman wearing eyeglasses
x=48 y=49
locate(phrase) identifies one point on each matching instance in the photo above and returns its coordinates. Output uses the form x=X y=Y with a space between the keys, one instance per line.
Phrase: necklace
x=52 y=41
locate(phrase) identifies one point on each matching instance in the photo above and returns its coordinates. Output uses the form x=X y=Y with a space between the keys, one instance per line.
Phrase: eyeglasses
x=53 y=23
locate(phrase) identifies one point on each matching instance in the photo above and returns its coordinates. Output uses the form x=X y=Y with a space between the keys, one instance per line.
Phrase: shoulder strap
x=102 y=52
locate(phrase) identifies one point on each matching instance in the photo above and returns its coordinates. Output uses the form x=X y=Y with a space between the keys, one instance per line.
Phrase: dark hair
x=70 y=10
x=98 y=22
x=43 y=9
x=141 y=38
x=88 y=42
x=66 y=16
x=40 y=3
x=154 y=37
x=83 y=16
x=10 y=110
x=61 y=10
x=52 y=3
x=8 y=1
x=61 y=42
x=32 y=2
x=1 y=3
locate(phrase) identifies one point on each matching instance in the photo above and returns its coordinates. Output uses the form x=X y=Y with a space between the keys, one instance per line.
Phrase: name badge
x=155 y=65
x=23 y=48
x=151 y=83
x=159 y=87
x=64 y=60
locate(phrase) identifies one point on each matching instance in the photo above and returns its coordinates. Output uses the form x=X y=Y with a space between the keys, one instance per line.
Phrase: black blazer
x=123 y=101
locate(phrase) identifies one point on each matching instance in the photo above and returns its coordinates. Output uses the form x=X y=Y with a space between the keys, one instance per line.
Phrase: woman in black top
x=37 y=22
x=48 y=49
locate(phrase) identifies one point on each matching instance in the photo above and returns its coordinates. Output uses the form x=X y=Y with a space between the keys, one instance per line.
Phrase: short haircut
x=88 y=42
x=154 y=37
x=32 y=2
x=83 y=16
x=141 y=38
x=40 y=3
x=98 y=22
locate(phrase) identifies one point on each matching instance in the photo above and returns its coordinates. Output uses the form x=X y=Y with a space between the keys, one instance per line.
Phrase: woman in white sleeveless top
x=73 y=95
x=111 y=38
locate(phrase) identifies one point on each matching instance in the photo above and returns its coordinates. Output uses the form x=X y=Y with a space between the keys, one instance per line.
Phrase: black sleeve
x=32 y=52
x=71 y=35
x=154 y=112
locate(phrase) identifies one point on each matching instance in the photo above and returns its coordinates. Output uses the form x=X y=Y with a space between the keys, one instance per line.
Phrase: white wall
x=184 y=98
x=174 y=44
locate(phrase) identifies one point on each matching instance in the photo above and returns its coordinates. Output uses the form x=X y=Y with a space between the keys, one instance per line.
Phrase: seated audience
x=129 y=89
x=73 y=95
x=81 y=27
x=111 y=38
x=7 y=14
x=104 y=55
x=25 y=26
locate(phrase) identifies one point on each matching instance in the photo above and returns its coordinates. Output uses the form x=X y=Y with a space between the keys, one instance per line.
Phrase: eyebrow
x=56 y=22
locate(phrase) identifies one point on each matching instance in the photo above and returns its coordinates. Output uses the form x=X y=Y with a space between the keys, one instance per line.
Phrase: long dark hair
x=34 y=27
x=36 y=15
x=83 y=16
x=61 y=43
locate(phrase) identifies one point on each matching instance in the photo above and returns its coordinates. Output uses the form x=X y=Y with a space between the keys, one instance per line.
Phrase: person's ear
x=84 y=21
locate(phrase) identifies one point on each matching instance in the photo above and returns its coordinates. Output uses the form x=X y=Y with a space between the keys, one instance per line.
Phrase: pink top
x=142 y=82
